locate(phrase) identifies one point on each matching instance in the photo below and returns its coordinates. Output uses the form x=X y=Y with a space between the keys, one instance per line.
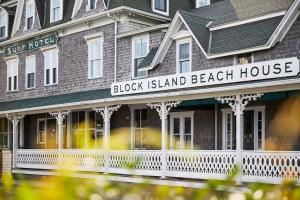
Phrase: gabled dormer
x=83 y=8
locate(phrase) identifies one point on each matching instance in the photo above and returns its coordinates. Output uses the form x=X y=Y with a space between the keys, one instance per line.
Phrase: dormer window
x=56 y=13
x=243 y=59
x=202 y=3
x=161 y=6
x=29 y=14
x=3 y=23
x=91 y=5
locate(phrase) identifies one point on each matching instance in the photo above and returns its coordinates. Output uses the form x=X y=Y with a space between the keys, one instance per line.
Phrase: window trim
x=178 y=43
x=57 y=67
x=89 y=43
x=235 y=58
x=147 y=36
x=17 y=74
x=167 y=13
x=33 y=14
x=26 y=73
x=4 y=13
x=51 y=11
x=198 y=3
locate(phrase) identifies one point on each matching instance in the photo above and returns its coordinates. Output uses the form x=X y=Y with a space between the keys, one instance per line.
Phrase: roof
x=229 y=11
x=55 y=100
x=148 y=59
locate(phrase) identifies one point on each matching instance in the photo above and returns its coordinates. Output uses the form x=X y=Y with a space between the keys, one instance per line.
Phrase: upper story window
x=184 y=55
x=161 y=6
x=95 y=58
x=91 y=5
x=243 y=59
x=30 y=71
x=12 y=74
x=140 y=49
x=201 y=3
x=29 y=14
x=56 y=12
x=3 y=24
x=51 y=66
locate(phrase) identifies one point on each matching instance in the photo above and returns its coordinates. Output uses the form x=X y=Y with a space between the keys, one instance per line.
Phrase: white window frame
x=88 y=6
x=28 y=2
x=52 y=64
x=235 y=59
x=15 y=72
x=139 y=37
x=178 y=43
x=256 y=109
x=202 y=1
x=162 y=12
x=90 y=42
x=4 y=14
x=181 y=115
x=38 y=131
x=28 y=71
x=52 y=11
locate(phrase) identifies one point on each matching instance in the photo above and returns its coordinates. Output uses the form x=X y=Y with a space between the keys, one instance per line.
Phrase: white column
x=106 y=112
x=15 y=122
x=60 y=116
x=163 y=110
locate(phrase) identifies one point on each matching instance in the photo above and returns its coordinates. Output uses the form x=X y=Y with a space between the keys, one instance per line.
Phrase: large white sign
x=235 y=74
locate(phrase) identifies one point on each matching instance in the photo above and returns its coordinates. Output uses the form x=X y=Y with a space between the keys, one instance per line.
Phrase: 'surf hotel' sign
x=235 y=74
x=31 y=45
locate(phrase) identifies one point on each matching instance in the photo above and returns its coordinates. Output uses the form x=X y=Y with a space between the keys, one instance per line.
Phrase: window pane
x=176 y=125
x=184 y=66
x=92 y=120
x=184 y=50
x=15 y=82
x=2 y=31
x=244 y=59
x=187 y=125
x=75 y=120
x=29 y=22
x=48 y=76
x=9 y=83
x=30 y=80
x=54 y=75
x=161 y=5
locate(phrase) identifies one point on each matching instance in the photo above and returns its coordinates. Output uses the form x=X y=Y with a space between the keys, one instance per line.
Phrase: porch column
x=106 y=112
x=163 y=109
x=60 y=116
x=15 y=122
x=238 y=104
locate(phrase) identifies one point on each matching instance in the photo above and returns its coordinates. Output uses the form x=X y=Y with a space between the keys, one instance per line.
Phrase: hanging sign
x=31 y=45
x=234 y=74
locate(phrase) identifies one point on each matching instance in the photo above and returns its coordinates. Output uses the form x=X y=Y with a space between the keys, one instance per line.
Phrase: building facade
x=184 y=89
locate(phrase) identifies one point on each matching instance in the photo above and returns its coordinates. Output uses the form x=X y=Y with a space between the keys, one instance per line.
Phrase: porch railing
x=268 y=167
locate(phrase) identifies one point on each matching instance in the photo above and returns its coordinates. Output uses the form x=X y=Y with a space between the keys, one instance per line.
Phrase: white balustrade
x=267 y=167
x=270 y=167
x=147 y=163
x=200 y=164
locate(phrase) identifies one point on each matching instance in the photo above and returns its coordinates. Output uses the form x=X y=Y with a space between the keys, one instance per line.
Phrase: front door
x=181 y=129
x=253 y=128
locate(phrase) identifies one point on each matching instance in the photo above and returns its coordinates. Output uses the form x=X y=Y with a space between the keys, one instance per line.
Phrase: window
x=184 y=55
x=47 y=132
x=51 y=66
x=12 y=74
x=140 y=49
x=201 y=3
x=4 y=144
x=161 y=6
x=42 y=134
x=30 y=71
x=244 y=59
x=56 y=13
x=140 y=129
x=29 y=14
x=95 y=48
x=91 y=5
x=3 y=23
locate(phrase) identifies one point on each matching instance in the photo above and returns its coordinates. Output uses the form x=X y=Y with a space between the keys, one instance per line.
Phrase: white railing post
x=60 y=116
x=163 y=109
x=238 y=104
x=106 y=112
x=15 y=121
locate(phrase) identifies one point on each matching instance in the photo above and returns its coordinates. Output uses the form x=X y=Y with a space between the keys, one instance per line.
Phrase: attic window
x=3 y=24
x=29 y=14
x=161 y=6
x=202 y=3
x=91 y=5
x=56 y=12
x=243 y=59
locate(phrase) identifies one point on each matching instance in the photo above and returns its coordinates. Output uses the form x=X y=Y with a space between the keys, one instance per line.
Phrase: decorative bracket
x=163 y=108
x=15 y=119
x=60 y=116
x=239 y=102
x=107 y=111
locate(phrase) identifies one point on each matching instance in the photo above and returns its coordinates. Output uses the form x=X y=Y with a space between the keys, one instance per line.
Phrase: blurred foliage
x=67 y=187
